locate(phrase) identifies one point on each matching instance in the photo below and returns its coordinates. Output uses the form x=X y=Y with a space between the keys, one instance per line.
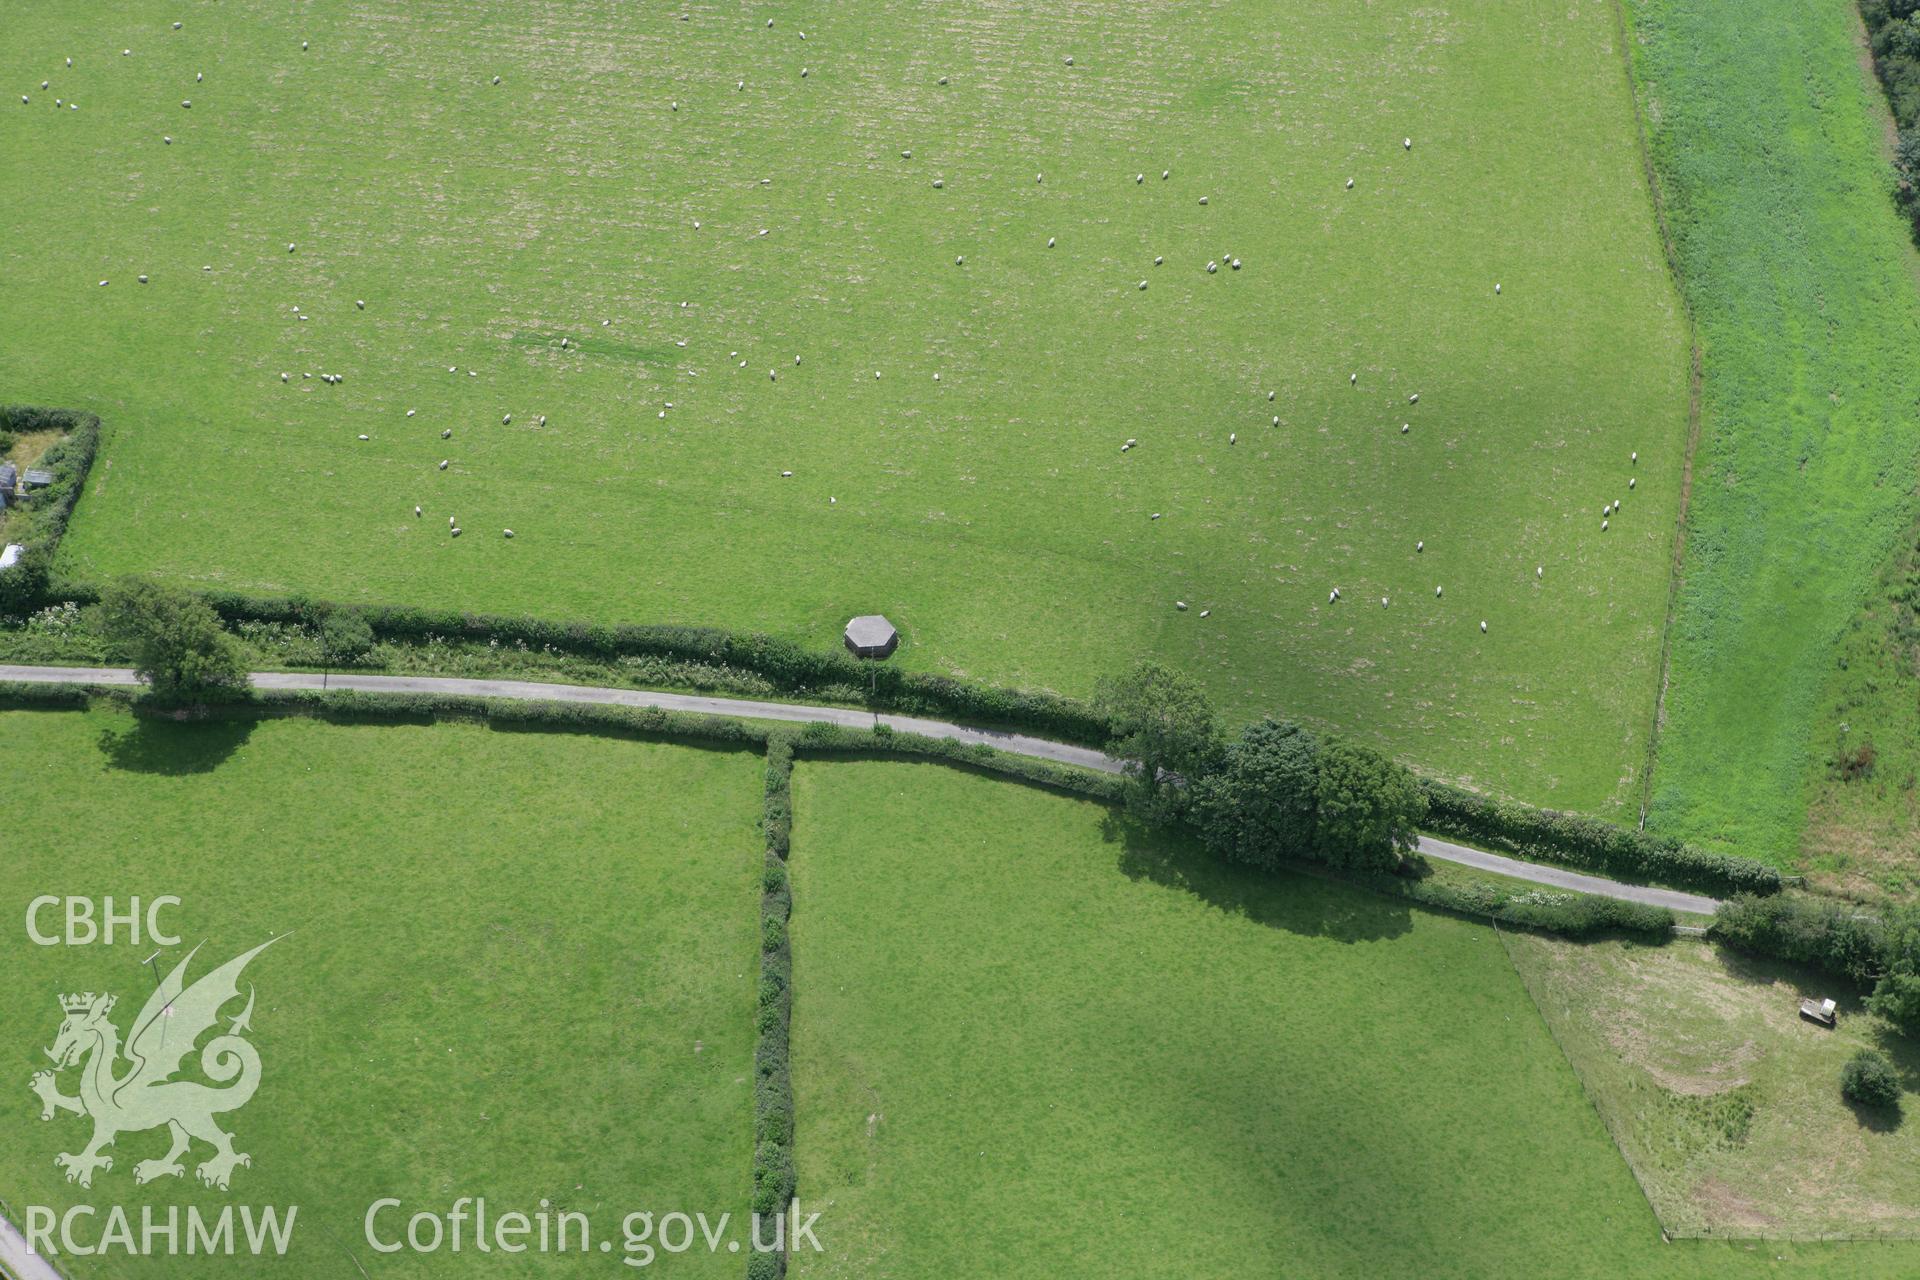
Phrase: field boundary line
x=1533 y=1002
x=1623 y=36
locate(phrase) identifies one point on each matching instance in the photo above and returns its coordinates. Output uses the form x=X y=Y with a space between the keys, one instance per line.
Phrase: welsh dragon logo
x=145 y=1095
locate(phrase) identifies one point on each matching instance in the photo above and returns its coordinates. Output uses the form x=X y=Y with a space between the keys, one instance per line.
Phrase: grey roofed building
x=9 y=477
x=871 y=636
x=34 y=478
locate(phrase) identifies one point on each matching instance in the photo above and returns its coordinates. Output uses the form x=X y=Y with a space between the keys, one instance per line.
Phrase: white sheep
x=443 y=464
x=1419 y=546
x=1349 y=184
x=1143 y=284
x=1406 y=144
x=447 y=434
x=507 y=532
x=416 y=512
x=1049 y=242
x=1438 y=592
x=1630 y=482
x=1483 y=626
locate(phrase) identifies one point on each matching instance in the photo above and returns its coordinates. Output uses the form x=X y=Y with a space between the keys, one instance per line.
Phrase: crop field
x=1024 y=1033
x=659 y=207
x=1769 y=135
x=1723 y=1098
x=511 y=965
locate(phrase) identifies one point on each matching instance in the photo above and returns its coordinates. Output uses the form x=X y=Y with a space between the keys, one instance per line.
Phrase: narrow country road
x=17 y=1262
x=1018 y=744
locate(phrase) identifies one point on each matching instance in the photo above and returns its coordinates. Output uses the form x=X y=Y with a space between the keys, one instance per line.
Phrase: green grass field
x=1768 y=133
x=992 y=513
x=518 y=965
x=1023 y=1035
x=1724 y=1099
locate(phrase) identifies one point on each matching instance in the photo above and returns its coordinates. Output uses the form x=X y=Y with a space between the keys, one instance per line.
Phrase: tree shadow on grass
x=1875 y=1119
x=173 y=749
x=1286 y=900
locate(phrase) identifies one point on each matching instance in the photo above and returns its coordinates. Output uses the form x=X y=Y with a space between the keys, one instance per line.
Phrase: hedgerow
x=774 y=1177
x=1572 y=915
x=1822 y=933
x=39 y=523
x=1543 y=835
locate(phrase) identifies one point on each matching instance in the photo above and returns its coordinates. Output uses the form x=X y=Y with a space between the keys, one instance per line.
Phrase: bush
x=1543 y=835
x=1870 y=1080
x=345 y=636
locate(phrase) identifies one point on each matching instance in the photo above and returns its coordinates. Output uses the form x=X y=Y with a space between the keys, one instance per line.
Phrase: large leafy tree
x=174 y=639
x=1368 y=809
x=1163 y=726
x=1258 y=806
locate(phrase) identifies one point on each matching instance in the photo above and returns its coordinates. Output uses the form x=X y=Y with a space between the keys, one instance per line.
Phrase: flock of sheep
x=1334 y=596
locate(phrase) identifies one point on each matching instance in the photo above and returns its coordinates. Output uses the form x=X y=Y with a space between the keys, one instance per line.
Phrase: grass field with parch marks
x=1026 y=1038
x=1768 y=133
x=581 y=245
x=517 y=965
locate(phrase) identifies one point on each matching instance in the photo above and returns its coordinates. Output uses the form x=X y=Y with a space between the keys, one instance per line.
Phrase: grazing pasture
x=1024 y=1033
x=1769 y=135
x=642 y=268
x=515 y=965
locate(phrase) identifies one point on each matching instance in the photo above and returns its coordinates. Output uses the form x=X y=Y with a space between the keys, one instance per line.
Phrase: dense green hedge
x=42 y=520
x=1543 y=835
x=826 y=739
x=774 y=1178
x=1822 y=933
x=21 y=696
x=1572 y=915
